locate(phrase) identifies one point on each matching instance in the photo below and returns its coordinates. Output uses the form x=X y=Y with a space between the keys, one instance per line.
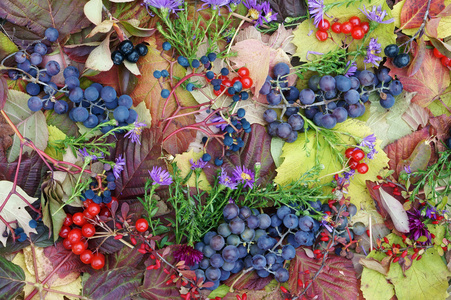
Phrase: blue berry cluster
x=126 y=51
x=327 y=101
x=101 y=195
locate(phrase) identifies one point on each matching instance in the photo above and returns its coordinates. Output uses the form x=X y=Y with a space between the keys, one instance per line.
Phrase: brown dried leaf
x=374 y=264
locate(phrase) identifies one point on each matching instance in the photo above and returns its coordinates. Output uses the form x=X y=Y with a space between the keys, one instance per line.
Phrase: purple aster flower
x=119 y=166
x=370 y=143
x=431 y=213
x=226 y=181
x=376 y=14
x=219 y=119
x=215 y=4
x=244 y=175
x=84 y=153
x=164 y=5
x=351 y=69
x=200 y=164
x=373 y=48
x=188 y=254
x=135 y=133
x=316 y=10
x=325 y=223
x=160 y=176
x=417 y=227
x=407 y=169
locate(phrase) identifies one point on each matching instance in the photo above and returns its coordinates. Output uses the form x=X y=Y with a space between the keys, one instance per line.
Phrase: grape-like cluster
x=127 y=51
x=400 y=60
x=92 y=106
x=247 y=240
x=328 y=100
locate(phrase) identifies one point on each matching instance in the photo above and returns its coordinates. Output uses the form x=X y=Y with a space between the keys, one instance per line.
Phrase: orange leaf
x=412 y=12
x=429 y=82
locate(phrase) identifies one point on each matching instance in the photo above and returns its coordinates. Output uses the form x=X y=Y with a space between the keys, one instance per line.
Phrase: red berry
x=87 y=215
x=365 y=26
x=355 y=21
x=362 y=168
x=67 y=244
x=353 y=164
x=79 y=247
x=346 y=27
x=217 y=93
x=64 y=231
x=98 y=261
x=86 y=256
x=88 y=230
x=247 y=82
x=79 y=219
x=93 y=209
x=358 y=154
x=437 y=53
x=324 y=25
x=357 y=32
x=68 y=220
x=348 y=152
x=243 y=71
x=113 y=200
x=321 y=35
x=235 y=79
x=336 y=27
x=87 y=202
x=141 y=225
x=445 y=61
x=105 y=212
x=74 y=236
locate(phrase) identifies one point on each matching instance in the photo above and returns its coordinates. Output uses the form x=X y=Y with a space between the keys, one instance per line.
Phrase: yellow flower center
x=246 y=176
x=254 y=14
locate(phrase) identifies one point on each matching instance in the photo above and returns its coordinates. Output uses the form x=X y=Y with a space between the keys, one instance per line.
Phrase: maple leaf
x=429 y=82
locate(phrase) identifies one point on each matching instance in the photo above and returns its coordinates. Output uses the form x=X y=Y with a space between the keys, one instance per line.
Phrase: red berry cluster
x=355 y=155
x=353 y=26
x=243 y=77
x=76 y=238
x=446 y=61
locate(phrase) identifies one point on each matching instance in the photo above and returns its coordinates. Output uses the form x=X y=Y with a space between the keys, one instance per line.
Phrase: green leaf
x=14 y=208
x=7 y=47
x=30 y=124
x=135 y=30
x=300 y=156
x=373 y=284
x=220 y=292
x=11 y=279
x=425 y=279
x=276 y=150
x=54 y=149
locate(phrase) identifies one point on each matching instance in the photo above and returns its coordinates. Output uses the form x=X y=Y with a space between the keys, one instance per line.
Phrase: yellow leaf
x=100 y=58
x=69 y=284
x=93 y=11
x=183 y=163
x=53 y=149
x=144 y=115
x=299 y=157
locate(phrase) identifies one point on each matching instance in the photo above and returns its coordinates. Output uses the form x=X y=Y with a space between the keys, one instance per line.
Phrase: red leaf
x=413 y=11
x=442 y=127
x=3 y=91
x=139 y=159
x=154 y=286
x=337 y=280
x=56 y=254
x=256 y=295
x=429 y=82
x=402 y=149
x=257 y=149
x=419 y=54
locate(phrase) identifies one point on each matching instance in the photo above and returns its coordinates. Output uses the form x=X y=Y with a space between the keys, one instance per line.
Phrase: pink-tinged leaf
x=441 y=127
x=399 y=151
x=139 y=159
x=309 y=252
x=250 y=281
x=154 y=286
x=396 y=211
x=57 y=253
x=257 y=149
x=31 y=18
x=445 y=13
x=119 y=283
x=429 y=82
x=413 y=11
x=275 y=294
x=419 y=52
x=337 y=279
x=416 y=116
x=149 y=90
